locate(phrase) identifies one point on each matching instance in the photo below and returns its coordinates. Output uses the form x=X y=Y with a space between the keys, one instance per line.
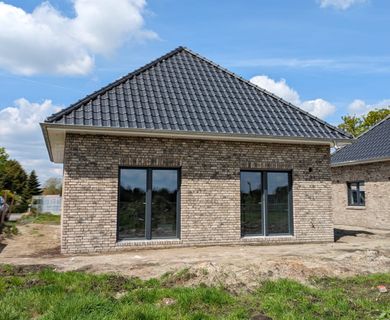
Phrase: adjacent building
x=361 y=180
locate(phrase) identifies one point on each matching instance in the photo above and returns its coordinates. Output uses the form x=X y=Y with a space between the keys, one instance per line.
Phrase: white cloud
x=280 y=88
x=22 y=137
x=340 y=4
x=356 y=64
x=45 y=41
x=359 y=107
x=318 y=107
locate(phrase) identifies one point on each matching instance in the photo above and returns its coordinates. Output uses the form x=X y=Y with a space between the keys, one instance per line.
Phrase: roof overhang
x=356 y=162
x=54 y=135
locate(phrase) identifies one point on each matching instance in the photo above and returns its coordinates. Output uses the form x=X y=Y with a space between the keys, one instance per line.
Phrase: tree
x=373 y=117
x=31 y=188
x=358 y=125
x=26 y=196
x=352 y=125
x=33 y=184
x=12 y=176
x=52 y=186
x=3 y=158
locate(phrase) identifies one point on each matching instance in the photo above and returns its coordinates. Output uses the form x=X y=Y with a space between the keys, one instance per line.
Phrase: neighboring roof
x=371 y=146
x=184 y=92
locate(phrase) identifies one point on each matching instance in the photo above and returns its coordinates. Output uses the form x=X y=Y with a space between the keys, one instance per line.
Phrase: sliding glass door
x=266 y=203
x=132 y=204
x=148 y=203
x=164 y=203
x=251 y=203
x=278 y=217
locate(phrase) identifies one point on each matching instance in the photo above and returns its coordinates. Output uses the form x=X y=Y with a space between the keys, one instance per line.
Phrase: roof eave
x=46 y=138
x=55 y=136
x=357 y=162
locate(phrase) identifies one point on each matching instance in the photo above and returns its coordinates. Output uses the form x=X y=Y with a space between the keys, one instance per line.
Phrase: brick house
x=183 y=152
x=361 y=180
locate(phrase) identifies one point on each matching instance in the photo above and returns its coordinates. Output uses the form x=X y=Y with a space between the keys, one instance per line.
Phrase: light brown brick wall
x=376 y=212
x=210 y=188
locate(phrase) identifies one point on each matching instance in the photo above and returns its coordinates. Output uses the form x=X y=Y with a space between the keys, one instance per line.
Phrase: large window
x=266 y=205
x=356 y=193
x=148 y=203
x=251 y=203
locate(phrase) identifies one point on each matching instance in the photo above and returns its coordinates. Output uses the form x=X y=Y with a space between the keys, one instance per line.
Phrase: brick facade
x=376 y=212
x=210 y=188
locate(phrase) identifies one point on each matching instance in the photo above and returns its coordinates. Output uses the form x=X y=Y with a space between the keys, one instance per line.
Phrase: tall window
x=148 y=203
x=251 y=203
x=356 y=193
x=266 y=203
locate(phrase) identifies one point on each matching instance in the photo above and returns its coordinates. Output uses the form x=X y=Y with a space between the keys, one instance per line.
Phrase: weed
x=39 y=292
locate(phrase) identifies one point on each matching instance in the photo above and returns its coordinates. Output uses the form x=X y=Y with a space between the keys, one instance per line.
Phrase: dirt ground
x=356 y=251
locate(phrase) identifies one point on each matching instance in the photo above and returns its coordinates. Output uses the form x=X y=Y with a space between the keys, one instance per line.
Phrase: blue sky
x=330 y=57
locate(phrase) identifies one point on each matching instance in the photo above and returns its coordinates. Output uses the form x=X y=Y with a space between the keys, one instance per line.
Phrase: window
x=356 y=193
x=266 y=204
x=251 y=203
x=148 y=203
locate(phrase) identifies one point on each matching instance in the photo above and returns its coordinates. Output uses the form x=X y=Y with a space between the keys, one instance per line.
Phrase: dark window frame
x=148 y=205
x=264 y=212
x=361 y=201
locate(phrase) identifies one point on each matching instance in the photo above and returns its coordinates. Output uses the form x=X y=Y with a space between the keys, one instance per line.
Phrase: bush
x=9 y=229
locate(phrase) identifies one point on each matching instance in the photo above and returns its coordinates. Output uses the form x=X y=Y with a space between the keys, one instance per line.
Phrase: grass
x=32 y=292
x=9 y=229
x=42 y=218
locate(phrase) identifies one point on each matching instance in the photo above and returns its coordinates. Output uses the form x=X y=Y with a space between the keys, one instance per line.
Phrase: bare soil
x=356 y=251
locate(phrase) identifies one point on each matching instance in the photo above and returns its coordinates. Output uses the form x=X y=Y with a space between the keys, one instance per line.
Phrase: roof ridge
x=266 y=91
x=373 y=126
x=369 y=130
x=113 y=84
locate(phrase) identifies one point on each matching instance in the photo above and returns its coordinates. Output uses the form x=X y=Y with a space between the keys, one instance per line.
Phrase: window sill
x=143 y=242
x=356 y=207
x=274 y=236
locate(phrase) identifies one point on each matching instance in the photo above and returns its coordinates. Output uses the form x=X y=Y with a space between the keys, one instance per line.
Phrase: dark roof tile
x=374 y=144
x=186 y=92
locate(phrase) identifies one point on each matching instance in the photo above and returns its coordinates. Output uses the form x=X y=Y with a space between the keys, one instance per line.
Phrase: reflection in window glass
x=164 y=203
x=132 y=198
x=265 y=203
x=277 y=202
x=356 y=193
x=148 y=202
x=251 y=210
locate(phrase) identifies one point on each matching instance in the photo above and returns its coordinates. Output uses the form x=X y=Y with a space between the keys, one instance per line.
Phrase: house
x=361 y=180
x=183 y=152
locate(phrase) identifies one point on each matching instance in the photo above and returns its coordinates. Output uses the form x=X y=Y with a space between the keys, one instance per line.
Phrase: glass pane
x=251 y=216
x=354 y=197
x=132 y=198
x=164 y=201
x=362 y=198
x=353 y=186
x=277 y=203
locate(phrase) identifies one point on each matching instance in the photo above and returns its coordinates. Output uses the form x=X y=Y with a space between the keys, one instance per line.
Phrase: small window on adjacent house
x=356 y=193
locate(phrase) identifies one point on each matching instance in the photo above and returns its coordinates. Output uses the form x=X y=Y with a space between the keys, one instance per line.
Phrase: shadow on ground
x=2 y=246
x=340 y=233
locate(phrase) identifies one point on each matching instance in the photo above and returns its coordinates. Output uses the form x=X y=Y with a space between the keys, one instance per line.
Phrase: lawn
x=31 y=292
x=10 y=228
x=43 y=218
